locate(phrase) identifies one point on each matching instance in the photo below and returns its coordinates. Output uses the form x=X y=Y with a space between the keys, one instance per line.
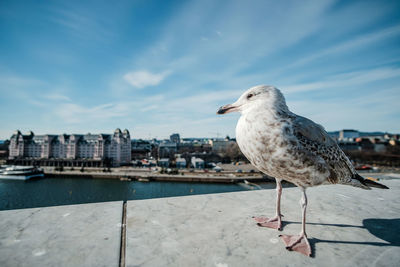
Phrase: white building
x=197 y=163
x=347 y=134
x=115 y=147
x=221 y=145
x=181 y=163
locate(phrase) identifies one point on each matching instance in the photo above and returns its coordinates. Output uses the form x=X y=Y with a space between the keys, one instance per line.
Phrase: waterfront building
x=113 y=149
x=349 y=146
x=181 y=163
x=164 y=163
x=167 y=149
x=197 y=163
x=194 y=147
x=141 y=149
x=347 y=134
x=175 y=138
x=365 y=144
x=221 y=145
x=334 y=135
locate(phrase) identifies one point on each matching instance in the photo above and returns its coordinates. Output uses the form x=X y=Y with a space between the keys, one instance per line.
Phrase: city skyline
x=169 y=136
x=157 y=68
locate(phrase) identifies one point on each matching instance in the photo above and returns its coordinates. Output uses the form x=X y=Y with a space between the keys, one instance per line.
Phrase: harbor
x=53 y=191
x=125 y=184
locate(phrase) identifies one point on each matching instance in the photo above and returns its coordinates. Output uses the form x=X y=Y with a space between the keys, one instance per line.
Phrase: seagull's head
x=257 y=97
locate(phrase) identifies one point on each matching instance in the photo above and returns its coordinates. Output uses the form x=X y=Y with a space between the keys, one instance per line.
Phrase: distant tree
x=234 y=153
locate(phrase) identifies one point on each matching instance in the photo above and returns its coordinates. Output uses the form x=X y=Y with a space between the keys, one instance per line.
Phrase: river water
x=46 y=192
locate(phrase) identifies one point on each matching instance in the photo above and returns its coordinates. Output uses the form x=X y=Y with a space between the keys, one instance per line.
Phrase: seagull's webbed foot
x=274 y=223
x=297 y=243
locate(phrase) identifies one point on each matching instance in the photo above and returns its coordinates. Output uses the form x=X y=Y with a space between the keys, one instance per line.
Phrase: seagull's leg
x=299 y=242
x=274 y=222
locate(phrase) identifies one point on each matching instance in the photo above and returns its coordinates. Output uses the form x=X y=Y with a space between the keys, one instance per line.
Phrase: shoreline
x=195 y=177
x=147 y=177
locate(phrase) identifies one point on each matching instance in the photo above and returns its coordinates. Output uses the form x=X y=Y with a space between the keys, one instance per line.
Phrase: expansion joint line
x=123 y=236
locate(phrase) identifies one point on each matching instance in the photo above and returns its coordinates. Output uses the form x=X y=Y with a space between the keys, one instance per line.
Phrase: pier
x=346 y=226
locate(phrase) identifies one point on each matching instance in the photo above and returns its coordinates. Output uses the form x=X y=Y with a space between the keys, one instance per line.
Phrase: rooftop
x=345 y=225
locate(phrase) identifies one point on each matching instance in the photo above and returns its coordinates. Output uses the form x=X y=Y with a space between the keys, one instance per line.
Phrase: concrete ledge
x=346 y=226
x=76 y=235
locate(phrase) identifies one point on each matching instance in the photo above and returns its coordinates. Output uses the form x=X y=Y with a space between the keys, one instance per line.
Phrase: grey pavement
x=346 y=227
x=75 y=235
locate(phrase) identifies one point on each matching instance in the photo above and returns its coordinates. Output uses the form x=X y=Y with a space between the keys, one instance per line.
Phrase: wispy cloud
x=224 y=55
x=74 y=113
x=57 y=97
x=345 y=80
x=143 y=78
x=8 y=82
x=82 y=21
x=354 y=43
x=30 y=90
x=21 y=88
x=361 y=113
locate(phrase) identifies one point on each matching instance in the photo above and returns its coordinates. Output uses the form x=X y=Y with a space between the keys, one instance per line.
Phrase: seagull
x=289 y=147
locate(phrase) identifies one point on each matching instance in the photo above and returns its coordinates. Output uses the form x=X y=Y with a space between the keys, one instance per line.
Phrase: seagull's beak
x=227 y=109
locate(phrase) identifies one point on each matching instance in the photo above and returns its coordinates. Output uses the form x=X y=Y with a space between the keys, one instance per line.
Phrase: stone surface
x=346 y=226
x=76 y=235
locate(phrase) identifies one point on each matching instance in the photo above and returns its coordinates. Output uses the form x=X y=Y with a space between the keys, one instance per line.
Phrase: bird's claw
x=274 y=223
x=297 y=243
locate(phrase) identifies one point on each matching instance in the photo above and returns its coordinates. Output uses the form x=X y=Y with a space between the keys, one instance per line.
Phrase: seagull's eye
x=249 y=96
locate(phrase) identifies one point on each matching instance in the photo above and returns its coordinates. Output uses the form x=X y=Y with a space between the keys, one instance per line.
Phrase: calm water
x=64 y=191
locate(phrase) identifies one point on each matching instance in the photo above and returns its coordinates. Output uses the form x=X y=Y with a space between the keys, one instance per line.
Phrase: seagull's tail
x=369 y=183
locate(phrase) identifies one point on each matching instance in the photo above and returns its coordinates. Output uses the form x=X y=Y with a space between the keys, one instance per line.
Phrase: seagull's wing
x=312 y=131
x=313 y=138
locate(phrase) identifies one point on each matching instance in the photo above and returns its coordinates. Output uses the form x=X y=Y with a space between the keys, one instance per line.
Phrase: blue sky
x=159 y=67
